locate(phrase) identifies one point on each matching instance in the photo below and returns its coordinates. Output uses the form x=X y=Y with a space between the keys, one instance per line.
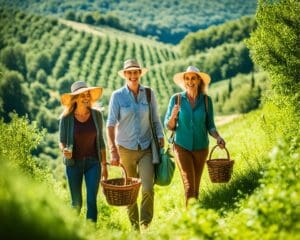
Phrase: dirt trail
x=221 y=120
x=81 y=27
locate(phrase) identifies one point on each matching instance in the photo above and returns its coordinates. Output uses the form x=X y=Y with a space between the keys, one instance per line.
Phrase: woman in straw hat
x=191 y=113
x=130 y=144
x=82 y=144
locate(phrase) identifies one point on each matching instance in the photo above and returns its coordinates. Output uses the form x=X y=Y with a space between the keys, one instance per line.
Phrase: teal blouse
x=191 y=130
x=66 y=130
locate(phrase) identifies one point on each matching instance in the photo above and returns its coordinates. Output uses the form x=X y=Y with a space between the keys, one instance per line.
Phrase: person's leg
x=92 y=176
x=74 y=176
x=199 y=163
x=146 y=172
x=129 y=159
x=184 y=160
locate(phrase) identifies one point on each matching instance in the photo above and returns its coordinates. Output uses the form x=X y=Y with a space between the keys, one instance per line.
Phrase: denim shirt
x=131 y=117
x=191 y=131
x=66 y=130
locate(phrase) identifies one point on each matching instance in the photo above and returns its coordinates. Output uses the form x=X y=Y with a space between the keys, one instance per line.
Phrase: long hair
x=70 y=107
x=202 y=88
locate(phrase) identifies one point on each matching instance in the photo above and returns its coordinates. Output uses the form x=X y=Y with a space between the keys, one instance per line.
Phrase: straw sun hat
x=131 y=64
x=178 y=77
x=80 y=87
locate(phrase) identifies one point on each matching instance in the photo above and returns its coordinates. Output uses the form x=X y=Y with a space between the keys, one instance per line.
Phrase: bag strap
x=177 y=101
x=153 y=130
x=206 y=110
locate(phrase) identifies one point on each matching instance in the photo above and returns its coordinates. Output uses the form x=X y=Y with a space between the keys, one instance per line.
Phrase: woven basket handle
x=228 y=157
x=125 y=173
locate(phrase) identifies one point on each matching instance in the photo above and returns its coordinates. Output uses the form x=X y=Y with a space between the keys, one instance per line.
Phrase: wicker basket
x=121 y=191
x=220 y=169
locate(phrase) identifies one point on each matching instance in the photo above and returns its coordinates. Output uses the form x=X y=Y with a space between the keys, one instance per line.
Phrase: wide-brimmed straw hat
x=178 y=77
x=132 y=64
x=80 y=87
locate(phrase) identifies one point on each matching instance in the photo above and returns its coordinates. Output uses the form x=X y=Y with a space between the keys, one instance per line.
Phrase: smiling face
x=84 y=99
x=191 y=81
x=132 y=77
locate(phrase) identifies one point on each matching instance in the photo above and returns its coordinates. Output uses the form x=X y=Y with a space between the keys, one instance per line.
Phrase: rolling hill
x=168 y=21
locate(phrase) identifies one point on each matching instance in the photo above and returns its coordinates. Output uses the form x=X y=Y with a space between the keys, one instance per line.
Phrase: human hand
x=221 y=142
x=161 y=142
x=115 y=157
x=67 y=152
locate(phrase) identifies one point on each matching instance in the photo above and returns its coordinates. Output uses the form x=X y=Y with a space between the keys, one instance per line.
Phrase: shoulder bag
x=164 y=169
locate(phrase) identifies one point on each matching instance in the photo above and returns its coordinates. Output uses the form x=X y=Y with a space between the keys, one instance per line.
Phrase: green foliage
x=29 y=208
x=17 y=140
x=243 y=97
x=13 y=58
x=243 y=100
x=229 y=32
x=14 y=94
x=275 y=45
x=70 y=15
x=168 y=21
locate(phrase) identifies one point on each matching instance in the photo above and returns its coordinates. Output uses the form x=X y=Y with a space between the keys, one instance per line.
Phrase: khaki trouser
x=190 y=164
x=139 y=163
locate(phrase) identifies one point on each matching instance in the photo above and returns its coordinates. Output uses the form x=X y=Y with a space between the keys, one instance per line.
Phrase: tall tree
x=13 y=94
x=275 y=45
x=14 y=58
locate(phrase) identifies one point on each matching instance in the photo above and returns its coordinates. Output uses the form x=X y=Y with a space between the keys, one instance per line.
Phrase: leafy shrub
x=14 y=94
x=17 y=140
x=275 y=45
x=14 y=58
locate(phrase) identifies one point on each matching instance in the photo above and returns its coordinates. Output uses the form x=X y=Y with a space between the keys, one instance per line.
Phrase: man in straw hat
x=130 y=144
x=82 y=144
x=190 y=114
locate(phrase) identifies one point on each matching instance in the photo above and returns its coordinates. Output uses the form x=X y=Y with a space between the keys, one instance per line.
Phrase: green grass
x=263 y=190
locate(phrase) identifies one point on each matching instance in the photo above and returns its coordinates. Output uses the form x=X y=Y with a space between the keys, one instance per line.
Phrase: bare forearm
x=111 y=137
x=172 y=123
x=214 y=134
x=103 y=156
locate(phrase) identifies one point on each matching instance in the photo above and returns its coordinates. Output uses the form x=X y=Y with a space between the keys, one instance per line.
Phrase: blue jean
x=90 y=168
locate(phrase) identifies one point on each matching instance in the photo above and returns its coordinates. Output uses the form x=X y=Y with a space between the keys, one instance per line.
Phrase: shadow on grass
x=226 y=195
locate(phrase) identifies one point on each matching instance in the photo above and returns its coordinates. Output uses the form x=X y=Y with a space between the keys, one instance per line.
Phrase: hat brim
x=143 y=71
x=95 y=92
x=178 y=78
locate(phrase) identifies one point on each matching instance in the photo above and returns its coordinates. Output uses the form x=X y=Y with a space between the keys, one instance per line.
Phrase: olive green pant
x=138 y=163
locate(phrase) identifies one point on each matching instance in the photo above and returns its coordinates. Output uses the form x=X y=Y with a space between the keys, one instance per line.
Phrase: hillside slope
x=169 y=20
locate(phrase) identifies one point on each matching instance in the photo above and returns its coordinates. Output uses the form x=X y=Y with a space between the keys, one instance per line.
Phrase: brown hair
x=71 y=107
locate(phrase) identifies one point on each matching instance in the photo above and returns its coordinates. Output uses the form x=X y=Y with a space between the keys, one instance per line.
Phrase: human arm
x=114 y=154
x=220 y=141
x=67 y=152
x=112 y=120
x=211 y=125
x=104 y=173
x=172 y=114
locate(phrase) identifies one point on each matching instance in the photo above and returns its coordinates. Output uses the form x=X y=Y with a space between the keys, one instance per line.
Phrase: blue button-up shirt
x=191 y=131
x=131 y=116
